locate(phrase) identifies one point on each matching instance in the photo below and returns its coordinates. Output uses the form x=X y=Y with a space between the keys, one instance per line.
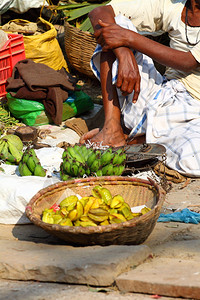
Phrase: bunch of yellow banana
x=11 y=149
x=78 y=160
x=30 y=164
x=100 y=208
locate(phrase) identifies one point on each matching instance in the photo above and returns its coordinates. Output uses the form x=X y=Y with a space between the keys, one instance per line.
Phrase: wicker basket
x=79 y=47
x=135 y=192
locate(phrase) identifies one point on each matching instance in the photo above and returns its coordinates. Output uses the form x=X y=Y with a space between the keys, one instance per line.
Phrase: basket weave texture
x=79 y=47
x=135 y=192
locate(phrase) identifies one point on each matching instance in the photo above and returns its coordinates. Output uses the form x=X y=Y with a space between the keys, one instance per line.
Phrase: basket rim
x=66 y=23
x=100 y=228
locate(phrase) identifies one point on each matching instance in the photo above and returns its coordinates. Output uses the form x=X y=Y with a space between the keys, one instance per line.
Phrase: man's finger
x=136 y=92
x=103 y=24
x=88 y=135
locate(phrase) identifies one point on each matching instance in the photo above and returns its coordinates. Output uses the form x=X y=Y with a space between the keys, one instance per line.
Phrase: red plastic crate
x=10 y=54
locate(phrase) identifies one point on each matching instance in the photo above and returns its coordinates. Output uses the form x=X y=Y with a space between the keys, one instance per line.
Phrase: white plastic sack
x=21 y=6
x=5 y=5
x=17 y=191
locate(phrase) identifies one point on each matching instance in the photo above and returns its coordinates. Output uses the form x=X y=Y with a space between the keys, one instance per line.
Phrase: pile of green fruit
x=11 y=149
x=98 y=209
x=30 y=164
x=78 y=160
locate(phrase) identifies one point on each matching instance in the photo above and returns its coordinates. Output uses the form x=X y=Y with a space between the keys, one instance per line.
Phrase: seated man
x=138 y=101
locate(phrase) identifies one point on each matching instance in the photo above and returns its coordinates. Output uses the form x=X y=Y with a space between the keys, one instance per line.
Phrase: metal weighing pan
x=141 y=156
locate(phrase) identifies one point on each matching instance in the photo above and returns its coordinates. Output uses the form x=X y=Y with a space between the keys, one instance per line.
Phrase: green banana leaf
x=76 y=13
x=79 y=12
x=71 y=6
x=86 y=26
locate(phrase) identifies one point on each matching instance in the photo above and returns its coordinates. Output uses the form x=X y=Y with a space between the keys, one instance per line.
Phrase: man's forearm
x=162 y=54
x=105 y=13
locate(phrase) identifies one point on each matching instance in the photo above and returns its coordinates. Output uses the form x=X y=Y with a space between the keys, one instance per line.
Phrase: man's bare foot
x=88 y=135
x=105 y=137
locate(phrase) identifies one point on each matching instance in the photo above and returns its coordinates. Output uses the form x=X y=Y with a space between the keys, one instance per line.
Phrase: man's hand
x=111 y=36
x=114 y=37
x=128 y=73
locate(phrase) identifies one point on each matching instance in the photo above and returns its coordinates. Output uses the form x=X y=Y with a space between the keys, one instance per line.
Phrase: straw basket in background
x=79 y=47
x=135 y=192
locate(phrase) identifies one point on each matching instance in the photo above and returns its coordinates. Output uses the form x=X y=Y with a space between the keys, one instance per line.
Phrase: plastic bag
x=184 y=216
x=32 y=113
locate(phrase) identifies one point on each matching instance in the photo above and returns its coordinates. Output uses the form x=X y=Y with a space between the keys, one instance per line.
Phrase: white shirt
x=165 y=16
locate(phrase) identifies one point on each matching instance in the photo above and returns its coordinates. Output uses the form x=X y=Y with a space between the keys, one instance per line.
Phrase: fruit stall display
x=99 y=208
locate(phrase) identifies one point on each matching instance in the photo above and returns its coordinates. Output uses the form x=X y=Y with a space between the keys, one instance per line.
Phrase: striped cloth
x=164 y=111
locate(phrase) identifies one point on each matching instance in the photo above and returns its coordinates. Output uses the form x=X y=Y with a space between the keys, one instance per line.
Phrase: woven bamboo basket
x=79 y=47
x=135 y=192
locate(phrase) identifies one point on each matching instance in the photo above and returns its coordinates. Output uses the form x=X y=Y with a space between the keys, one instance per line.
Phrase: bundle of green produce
x=78 y=160
x=11 y=149
x=76 y=12
x=30 y=164
x=7 y=121
x=98 y=209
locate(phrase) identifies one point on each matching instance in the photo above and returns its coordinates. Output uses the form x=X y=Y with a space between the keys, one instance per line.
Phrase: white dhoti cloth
x=164 y=111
